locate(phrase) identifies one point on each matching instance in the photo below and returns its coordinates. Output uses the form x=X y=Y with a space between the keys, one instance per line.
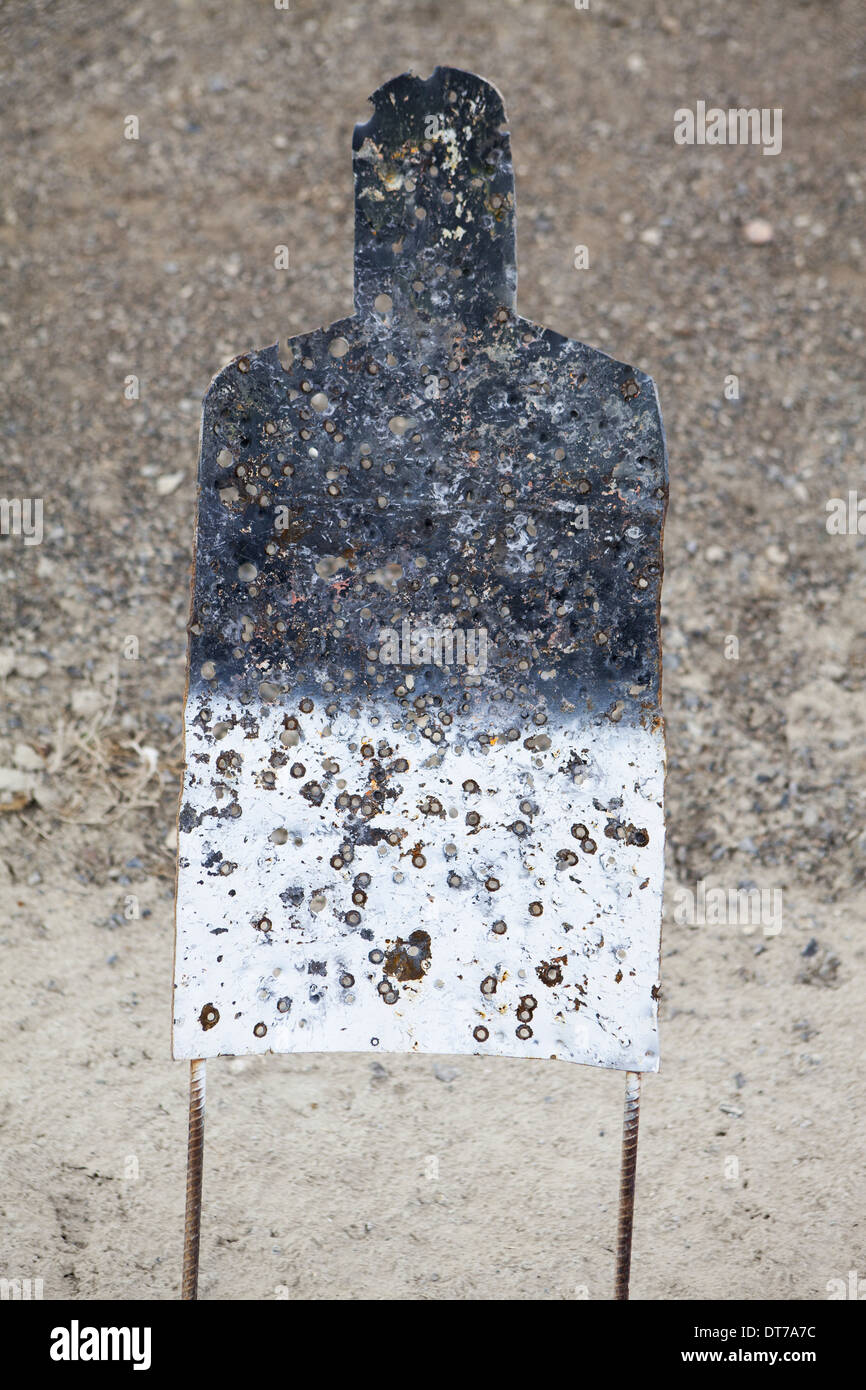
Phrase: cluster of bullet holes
x=582 y=835
x=630 y=834
x=528 y=1005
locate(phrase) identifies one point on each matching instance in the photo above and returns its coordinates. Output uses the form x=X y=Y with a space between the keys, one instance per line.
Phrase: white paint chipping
x=599 y=924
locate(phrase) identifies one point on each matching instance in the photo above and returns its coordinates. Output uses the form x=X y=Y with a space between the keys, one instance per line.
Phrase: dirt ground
x=408 y=1177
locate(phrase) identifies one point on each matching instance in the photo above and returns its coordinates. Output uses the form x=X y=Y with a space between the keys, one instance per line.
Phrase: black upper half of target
x=433 y=459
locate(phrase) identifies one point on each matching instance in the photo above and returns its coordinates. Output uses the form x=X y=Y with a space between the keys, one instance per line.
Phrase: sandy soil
x=352 y=1177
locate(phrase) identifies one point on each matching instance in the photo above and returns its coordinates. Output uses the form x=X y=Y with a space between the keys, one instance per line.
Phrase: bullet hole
x=629 y=388
x=208 y=671
x=401 y=765
x=336 y=861
x=454 y=880
x=319 y=401
x=538 y=743
x=549 y=973
x=473 y=818
x=263 y=924
x=376 y=957
x=353 y=918
x=480 y=1034
x=298 y=770
x=279 y=836
x=536 y=909
x=347 y=980
x=471 y=787
x=284 y=1004
x=362 y=880
x=383 y=304
x=391 y=997
x=519 y=827
x=566 y=857
x=209 y=1017
x=492 y=885
x=313 y=793
x=488 y=984
x=260 y=1030
x=589 y=846
x=226 y=868
x=579 y=832
x=419 y=861
x=499 y=928
x=247 y=573
x=524 y=1032
x=306 y=706
x=359 y=897
x=338 y=347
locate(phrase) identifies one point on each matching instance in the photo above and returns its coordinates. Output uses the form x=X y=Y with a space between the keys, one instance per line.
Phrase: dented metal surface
x=422 y=806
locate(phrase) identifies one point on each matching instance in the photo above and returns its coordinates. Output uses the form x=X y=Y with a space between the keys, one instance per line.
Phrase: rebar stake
x=628 y=1168
x=194 y=1166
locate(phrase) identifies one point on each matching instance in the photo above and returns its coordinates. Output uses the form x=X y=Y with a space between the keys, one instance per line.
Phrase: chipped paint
x=428 y=857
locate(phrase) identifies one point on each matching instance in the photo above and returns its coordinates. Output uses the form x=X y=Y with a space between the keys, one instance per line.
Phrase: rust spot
x=409 y=960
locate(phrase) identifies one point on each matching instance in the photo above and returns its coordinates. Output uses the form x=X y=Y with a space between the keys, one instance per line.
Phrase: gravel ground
x=347 y=1177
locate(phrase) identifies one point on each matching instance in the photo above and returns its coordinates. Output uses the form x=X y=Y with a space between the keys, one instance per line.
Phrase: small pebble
x=758 y=232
